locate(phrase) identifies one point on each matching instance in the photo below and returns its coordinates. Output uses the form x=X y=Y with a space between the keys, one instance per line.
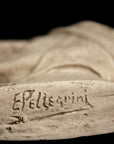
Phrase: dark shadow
x=107 y=138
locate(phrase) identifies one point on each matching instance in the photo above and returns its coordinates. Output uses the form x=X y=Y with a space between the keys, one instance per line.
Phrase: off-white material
x=58 y=86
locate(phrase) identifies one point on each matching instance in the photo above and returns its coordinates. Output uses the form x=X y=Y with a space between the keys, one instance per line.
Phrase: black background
x=21 y=20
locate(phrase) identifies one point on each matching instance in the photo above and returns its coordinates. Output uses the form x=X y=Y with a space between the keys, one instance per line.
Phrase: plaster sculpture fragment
x=58 y=86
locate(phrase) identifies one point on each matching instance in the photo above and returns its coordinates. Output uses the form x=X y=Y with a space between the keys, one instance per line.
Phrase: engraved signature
x=39 y=99
x=34 y=100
